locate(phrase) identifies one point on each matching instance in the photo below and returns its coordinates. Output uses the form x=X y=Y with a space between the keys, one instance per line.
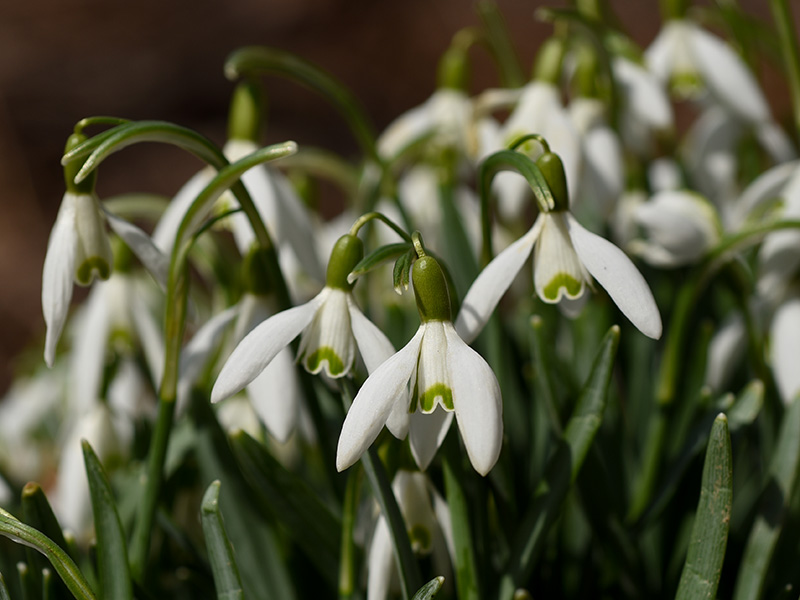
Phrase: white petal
x=775 y=141
x=167 y=227
x=765 y=187
x=148 y=328
x=198 y=351
x=557 y=272
x=478 y=403
x=404 y=130
x=490 y=285
x=57 y=275
x=644 y=95
x=727 y=76
x=275 y=394
x=155 y=261
x=398 y=420
x=604 y=176
x=725 y=352
x=373 y=345
x=785 y=333
x=380 y=567
x=374 y=402
x=426 y=433
x=260 y=346
x=88 y=358
x=328 y=343
x=659 y=56
x=778 y=260
x=617 y=274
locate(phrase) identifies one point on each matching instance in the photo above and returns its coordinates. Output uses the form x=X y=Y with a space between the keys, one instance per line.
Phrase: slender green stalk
x=347 y=566
x=791 y=55
x=511 y=72
x=227 y=581
x=176 y=302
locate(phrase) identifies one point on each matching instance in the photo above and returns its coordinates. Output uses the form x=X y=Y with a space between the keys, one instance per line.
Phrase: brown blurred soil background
x=62 y=60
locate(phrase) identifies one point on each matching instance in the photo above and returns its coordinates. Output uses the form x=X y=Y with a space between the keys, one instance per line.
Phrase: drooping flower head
x=418 y=390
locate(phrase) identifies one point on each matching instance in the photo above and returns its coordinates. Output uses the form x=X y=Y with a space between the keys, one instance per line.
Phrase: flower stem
x=367 y=217
x=791 y=55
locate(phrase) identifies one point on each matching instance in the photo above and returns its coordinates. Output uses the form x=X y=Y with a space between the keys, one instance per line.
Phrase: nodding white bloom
x=565 y=258
x=444 y=376
x=539 y=111
x=785 y=336
x=446 y=117
x=427 y=519
x=330 y=326
x=680 y=226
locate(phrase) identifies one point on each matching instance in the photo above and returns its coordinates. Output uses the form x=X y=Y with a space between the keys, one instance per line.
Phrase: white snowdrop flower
x=331 y=326
x=680 y=228
x=566 y=257
x=444 y=376
x=427 y=519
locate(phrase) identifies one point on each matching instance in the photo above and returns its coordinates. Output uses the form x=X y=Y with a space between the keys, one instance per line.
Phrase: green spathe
x=346 y=254
x=430 y=290
x=86 y=186
x=562 y=280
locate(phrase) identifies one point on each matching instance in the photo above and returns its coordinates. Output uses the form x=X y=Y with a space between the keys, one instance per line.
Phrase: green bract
x=346 y=254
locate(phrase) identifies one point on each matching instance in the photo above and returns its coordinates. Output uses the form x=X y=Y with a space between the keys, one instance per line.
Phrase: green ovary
x=427 y=401
x=314 y=361
x=565 y=280
x=421 y=539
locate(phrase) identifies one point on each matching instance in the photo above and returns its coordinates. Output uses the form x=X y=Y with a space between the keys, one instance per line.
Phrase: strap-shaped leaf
x=701 y=572
x=781 y=481
x=17 y=531
x=430 y=589
x=220 y=551
x=378 y=257
x=112 y=552
x=311 y=523
x=563 y=468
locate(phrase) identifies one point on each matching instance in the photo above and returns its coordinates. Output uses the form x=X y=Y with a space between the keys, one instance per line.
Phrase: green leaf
x=289 y=498
x=430 y=589
x=773 y=508
x=402 y=271
x=14 y=529
x=562 y=469
x=348 y=565
x=220 y=551
x=112 y=553
x=378 y=257
x=4 y=595
x=701 y=572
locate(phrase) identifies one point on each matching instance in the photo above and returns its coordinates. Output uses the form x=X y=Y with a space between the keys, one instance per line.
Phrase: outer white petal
x=88 y=358
x=373 y=345
x=380 y=566
x=765 y=187
x=785 y=333
x=478 y=403
x=426 y=433
x=490 y=285
x=604 y=176
x=148 y=328
x=404 y=130
x=775 y=141
x=374 y=401
x=58 y=274
x=659 y=56
x=617 y=274
x=725 y=352
x=260 y=346
x=198 y=351
x=275 y=395
x=167 y=227
x=727 y=76
x=644 y=95
x=153 y=259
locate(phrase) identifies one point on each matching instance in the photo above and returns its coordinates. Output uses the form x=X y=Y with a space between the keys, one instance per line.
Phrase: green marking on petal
x=565 y=280
x=313 y=362
x=421 y=539
x=427 y=401
x=84 y=274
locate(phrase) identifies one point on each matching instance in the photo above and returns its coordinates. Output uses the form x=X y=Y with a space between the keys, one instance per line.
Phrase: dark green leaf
x=701 y=572
x=378 y=257
x=112 y=553
x=430 y=589
x=220 y=551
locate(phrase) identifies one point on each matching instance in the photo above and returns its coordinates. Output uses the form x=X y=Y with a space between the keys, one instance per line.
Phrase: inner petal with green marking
x=328 y=343
x=433 y=385
x=557 y=270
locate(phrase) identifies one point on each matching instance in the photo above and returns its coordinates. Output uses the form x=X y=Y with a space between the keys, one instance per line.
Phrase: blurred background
x=62 y=60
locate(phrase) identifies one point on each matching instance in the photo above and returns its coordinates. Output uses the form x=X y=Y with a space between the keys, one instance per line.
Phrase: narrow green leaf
x=562 y=469
x=701 y=572
x=347 y=566
x=112 y=552
x=17 y=531
x=773 y=508
x=310 y=522
x=430 y=589
x=502 y=48
x=37 y=512
x=4 y=595
x=378 y=257
x=220 y=551
x=458 y=250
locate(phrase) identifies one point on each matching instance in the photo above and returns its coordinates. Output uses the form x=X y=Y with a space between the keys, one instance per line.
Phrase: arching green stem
x=176 y=303
x=370 y=216
x=253 y=60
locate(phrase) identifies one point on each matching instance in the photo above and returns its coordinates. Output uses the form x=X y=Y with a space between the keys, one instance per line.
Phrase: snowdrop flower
x=79 y=249
x=565 y=258
x=427 y=519
x=331 y=326
x=680 y=227
x=444 y=376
